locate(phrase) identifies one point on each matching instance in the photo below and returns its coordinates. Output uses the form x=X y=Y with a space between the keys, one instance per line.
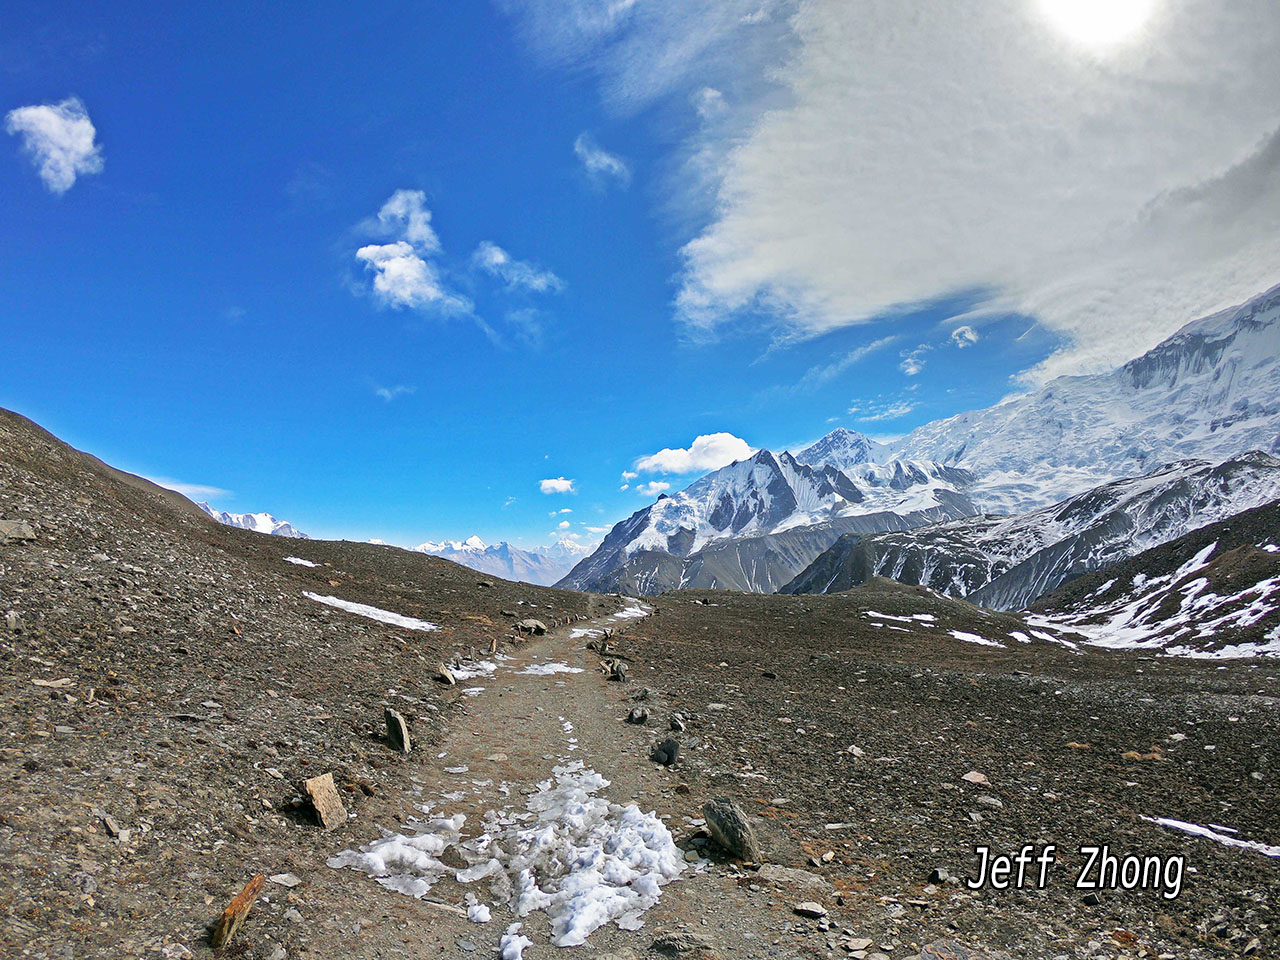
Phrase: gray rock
x=779 y=874
x=730 y=828
x=11 y=530
x=666 y=752
x=445 y=675
x=684 y=941
x=677 y=723
x=638 y=715
x=529 y=625
x=938 y=875
x=810 y=909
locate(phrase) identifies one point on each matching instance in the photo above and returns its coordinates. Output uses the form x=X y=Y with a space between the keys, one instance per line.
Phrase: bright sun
x=1098 y=22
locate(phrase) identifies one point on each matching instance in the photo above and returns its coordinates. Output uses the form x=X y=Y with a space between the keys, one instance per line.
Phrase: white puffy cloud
x=495 y=261
x=964 y=336
x=401 y=278
x=653 y=488
x=564 y=525
x=708 y=452
x=884 y=154
x=405 y=214
x=600 y=164
x=58 y=137
x=556 y=485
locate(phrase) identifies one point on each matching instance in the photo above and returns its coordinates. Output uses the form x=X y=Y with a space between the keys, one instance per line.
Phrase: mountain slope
x=1210 y=391
x=257 y=522
x=683 y=540
x=1213 y=593
x=1007 y=562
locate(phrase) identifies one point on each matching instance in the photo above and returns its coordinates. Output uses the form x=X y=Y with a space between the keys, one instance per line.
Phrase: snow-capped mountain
x=540 y=565
x=842 y=449
x=1007 y=562
x=257 y=522
x=768 y=495
x=1210 y=391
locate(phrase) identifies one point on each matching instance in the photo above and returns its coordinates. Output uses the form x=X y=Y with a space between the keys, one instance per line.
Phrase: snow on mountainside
x=1210 y=391
x=541 y=565
x=842 y=449
x=257 y=522
x=768 y=496
x=1213 y=593
x=1007 y=562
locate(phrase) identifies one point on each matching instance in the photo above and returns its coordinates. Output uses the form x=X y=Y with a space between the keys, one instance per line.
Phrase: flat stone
x=776 y=873
x=11 y=530
x=809 y=909
x=285 y=879
x=684 y=941
x=325 y=801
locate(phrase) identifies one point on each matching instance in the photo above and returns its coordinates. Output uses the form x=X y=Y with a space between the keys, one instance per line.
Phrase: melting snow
x=373 y=613
x=974 y=638
x=582 y=859
x=548 y=669
x=300 y=562
x=1196 y=830
x=469 y=671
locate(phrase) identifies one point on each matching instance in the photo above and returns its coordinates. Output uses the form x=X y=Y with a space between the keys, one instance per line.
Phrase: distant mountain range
x=539 y=565
x=1209 y=393
x=257 y=522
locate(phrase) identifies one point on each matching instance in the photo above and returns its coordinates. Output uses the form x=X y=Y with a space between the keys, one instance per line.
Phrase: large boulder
x=731 y=830
x=529 y=625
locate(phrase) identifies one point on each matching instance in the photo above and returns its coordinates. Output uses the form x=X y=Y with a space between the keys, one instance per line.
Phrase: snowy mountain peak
x=841 y=449
x=257 y=522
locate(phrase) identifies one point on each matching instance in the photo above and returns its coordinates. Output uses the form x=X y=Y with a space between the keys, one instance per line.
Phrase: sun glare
x=1098 y=23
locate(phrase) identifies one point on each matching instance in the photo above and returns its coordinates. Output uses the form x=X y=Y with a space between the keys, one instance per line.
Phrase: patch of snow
x=513 y=944
x=1267 y=850
x=298 y=561
x=580 y=858
x=373 y=613
x=548 y=669
x=974 y=638
x=479 y=913
x=476 y=668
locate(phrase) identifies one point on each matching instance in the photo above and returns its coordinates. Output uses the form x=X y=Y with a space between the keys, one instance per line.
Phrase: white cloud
x=192 y=490
x=556 y=485
x=625 y=486
x=881 y=154
x=600 y=164
x=564 y=525
x=893 y=411
x=629 y=475
x=597 y=530
x=964 y=336
x=709 y=103
x=913 y=360
x=821 y=374
x=495 y=261
x=653 y=488
x=405 y=214
x=58 y=137
x=401 y=278
x=403 y=274
x=390 y=393
x=708 y=452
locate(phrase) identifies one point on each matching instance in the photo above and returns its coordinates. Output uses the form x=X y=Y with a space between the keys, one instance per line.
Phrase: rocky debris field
x=879 y=759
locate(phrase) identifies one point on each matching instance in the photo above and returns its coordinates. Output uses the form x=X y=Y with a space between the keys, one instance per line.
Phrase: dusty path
x=516 y=725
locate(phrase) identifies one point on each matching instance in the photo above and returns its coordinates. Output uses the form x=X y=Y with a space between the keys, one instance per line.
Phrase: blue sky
x=192 y=305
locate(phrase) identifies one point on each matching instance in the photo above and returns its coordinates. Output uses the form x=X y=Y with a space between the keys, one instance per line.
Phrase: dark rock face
x=666 y=752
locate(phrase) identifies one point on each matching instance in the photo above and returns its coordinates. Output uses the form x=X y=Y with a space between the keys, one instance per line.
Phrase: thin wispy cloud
x=816 y=376
x=193 y=491
x=390 y=393
x=59 y=139
x=496 y=262
x=601 y=166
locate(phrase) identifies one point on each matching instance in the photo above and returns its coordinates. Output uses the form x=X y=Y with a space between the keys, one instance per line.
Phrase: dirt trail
x=509 y=736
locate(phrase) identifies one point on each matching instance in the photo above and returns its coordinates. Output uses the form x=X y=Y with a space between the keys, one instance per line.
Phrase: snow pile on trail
x=578 y=857
x=548 y=669
x=373 y=613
